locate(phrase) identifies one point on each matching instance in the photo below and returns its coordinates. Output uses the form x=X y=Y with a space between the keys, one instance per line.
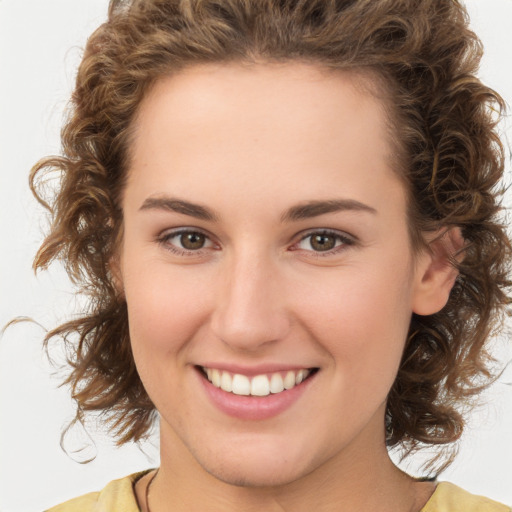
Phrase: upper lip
x=253 y=370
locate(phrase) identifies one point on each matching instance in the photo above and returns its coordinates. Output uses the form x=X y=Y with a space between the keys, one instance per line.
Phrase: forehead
x=251 y=90
x=247 y=125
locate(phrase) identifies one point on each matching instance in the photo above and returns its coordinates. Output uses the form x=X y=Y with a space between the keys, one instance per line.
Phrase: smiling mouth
x=259 y=385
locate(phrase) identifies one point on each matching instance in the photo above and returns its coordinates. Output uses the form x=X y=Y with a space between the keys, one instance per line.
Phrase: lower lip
x=254 y=407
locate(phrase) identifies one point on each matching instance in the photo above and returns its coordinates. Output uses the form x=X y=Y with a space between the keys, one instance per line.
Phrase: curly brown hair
x=451 y=160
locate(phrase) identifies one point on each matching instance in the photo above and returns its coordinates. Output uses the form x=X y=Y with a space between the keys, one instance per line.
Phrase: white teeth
x=276 y=383
x=259 y=385
x=226 y=382
x=300 y=376
x=241 y=385
x=289 y=380
x=216 y=378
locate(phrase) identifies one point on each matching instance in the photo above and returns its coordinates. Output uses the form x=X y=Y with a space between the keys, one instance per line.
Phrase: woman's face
x=265 y=241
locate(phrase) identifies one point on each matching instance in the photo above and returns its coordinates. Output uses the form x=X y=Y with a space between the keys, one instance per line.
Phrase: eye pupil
x=323 y=242
x=192 y=241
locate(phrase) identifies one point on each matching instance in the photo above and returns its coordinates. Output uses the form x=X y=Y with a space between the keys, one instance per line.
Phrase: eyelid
x=346 y=239
x=164 y=236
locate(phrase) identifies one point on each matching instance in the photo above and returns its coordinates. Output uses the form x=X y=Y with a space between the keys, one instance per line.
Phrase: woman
x=285 y=214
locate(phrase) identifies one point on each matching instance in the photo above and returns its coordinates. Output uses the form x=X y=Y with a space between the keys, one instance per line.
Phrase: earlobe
x=436 y=271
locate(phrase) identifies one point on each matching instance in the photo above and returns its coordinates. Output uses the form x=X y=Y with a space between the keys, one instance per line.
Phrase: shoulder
x=450 y=498
x=117 y=496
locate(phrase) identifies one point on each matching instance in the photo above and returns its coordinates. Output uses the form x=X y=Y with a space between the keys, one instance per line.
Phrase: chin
x=254 y=471
x=254 y=477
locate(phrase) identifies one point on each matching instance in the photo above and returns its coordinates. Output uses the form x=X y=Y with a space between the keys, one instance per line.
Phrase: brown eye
x=321 y=242
x=186 y=242
x=192 y=241
x=329 y=242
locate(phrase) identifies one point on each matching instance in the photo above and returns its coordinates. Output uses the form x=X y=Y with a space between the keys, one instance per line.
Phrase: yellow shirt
x=118 y=496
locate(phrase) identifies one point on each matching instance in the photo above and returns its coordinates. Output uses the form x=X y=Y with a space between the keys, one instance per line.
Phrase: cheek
x=362 y=319
x=165 y=307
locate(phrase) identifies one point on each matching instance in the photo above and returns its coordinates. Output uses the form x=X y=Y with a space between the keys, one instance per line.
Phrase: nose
x=250 y=310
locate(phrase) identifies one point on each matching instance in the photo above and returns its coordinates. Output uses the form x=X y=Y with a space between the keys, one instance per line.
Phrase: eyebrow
x=178 y=206
x=302 y=211
x=316 y=208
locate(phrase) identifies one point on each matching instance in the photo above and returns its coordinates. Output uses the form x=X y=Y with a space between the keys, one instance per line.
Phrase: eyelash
x=344 y=239
x=165 y=238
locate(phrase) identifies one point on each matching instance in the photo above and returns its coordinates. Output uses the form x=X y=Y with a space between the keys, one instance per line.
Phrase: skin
x=248 y=143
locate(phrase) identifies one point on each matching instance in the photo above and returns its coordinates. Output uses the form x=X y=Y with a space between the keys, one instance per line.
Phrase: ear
x=435 y=273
